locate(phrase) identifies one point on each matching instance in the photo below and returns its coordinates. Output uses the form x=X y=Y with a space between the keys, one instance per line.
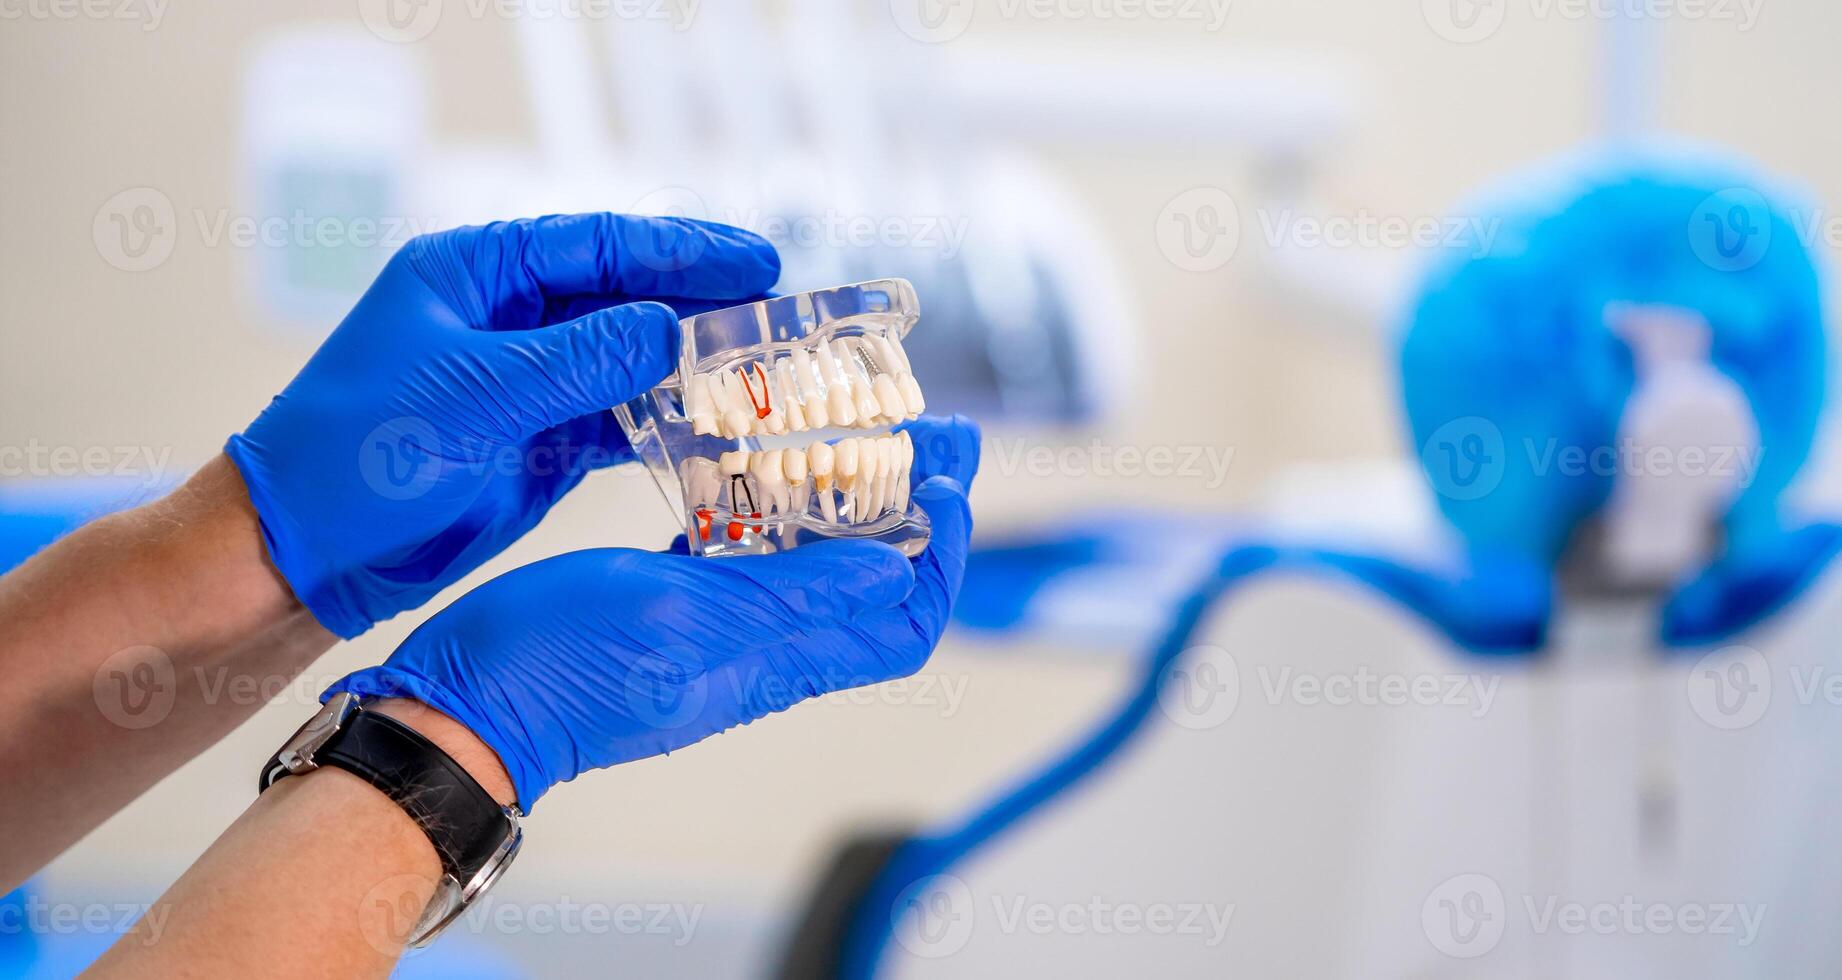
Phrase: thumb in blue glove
x=595 y=658
x=466 y=393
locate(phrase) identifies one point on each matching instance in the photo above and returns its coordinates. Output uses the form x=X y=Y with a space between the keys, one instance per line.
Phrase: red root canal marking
x=763 y=406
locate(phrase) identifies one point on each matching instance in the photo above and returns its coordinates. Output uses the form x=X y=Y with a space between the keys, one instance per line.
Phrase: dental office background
x=1162 y=248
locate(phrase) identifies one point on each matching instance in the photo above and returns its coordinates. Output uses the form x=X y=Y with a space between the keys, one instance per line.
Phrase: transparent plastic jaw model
x=737 y=436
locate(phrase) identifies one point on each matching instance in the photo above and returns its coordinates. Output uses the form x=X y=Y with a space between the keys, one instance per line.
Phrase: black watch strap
x=467 y=826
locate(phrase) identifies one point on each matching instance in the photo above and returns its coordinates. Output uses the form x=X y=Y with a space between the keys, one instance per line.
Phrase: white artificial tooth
x=771 y=481
x=905 y=465
x=839 y=406
x=699 y=406
x=889 y=399
x=773 y=420
x=793 y=464
x=733 y=463
x=848 y=461
x=819 y=454
x=760 y=392
x=911 y=394
x=861 y=395
x=838 y=403
x=701 y=480
x=904 y=374
x=886 y=357
x=738 y=420
x=702 y=484
x=872 y=477
x=885 y=477
x=848 y=458
x=809 y=390
x=812 y=393
x=789 y=395
x=901 y=365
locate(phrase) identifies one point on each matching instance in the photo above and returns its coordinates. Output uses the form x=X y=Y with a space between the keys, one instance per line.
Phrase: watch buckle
x=297 y=755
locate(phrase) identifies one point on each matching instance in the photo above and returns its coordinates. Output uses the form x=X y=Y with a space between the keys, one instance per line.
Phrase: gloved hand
x=595 y=658
x=459 y=400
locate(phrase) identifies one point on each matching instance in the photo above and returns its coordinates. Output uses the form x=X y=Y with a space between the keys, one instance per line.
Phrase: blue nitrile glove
x=459 y=399
x=595 y=658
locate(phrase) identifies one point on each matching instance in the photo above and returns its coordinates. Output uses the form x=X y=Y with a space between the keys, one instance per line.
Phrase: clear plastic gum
x=744 y=438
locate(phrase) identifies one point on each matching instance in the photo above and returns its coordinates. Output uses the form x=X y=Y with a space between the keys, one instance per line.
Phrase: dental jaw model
x=759 y=439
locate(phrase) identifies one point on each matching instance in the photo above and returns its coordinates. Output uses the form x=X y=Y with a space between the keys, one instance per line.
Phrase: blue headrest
x=1507 y=357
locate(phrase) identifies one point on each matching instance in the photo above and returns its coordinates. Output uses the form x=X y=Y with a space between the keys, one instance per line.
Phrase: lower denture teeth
x=904 y=466
x=733 y=466
x=819 y=455
x=702 y=483
x=770 y=481
x=885 y=473
x=793 y=464
x=848 y=462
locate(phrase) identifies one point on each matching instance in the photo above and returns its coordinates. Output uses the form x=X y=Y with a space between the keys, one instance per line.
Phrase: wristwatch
x=475 y=836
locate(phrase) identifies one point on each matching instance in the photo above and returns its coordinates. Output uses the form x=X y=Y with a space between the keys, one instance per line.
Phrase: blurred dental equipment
x=907 y=172
x=1589 y=402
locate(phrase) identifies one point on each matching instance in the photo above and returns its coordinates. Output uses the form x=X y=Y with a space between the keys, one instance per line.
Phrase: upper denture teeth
x=838 y=401
x=699 y=406
x=811 y=393
x=866 y=403
x=900 y=404
x=788 y=391
x=738 y=419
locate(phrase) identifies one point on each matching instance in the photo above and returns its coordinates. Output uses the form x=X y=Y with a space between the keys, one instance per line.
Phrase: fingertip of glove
x=645 y=330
